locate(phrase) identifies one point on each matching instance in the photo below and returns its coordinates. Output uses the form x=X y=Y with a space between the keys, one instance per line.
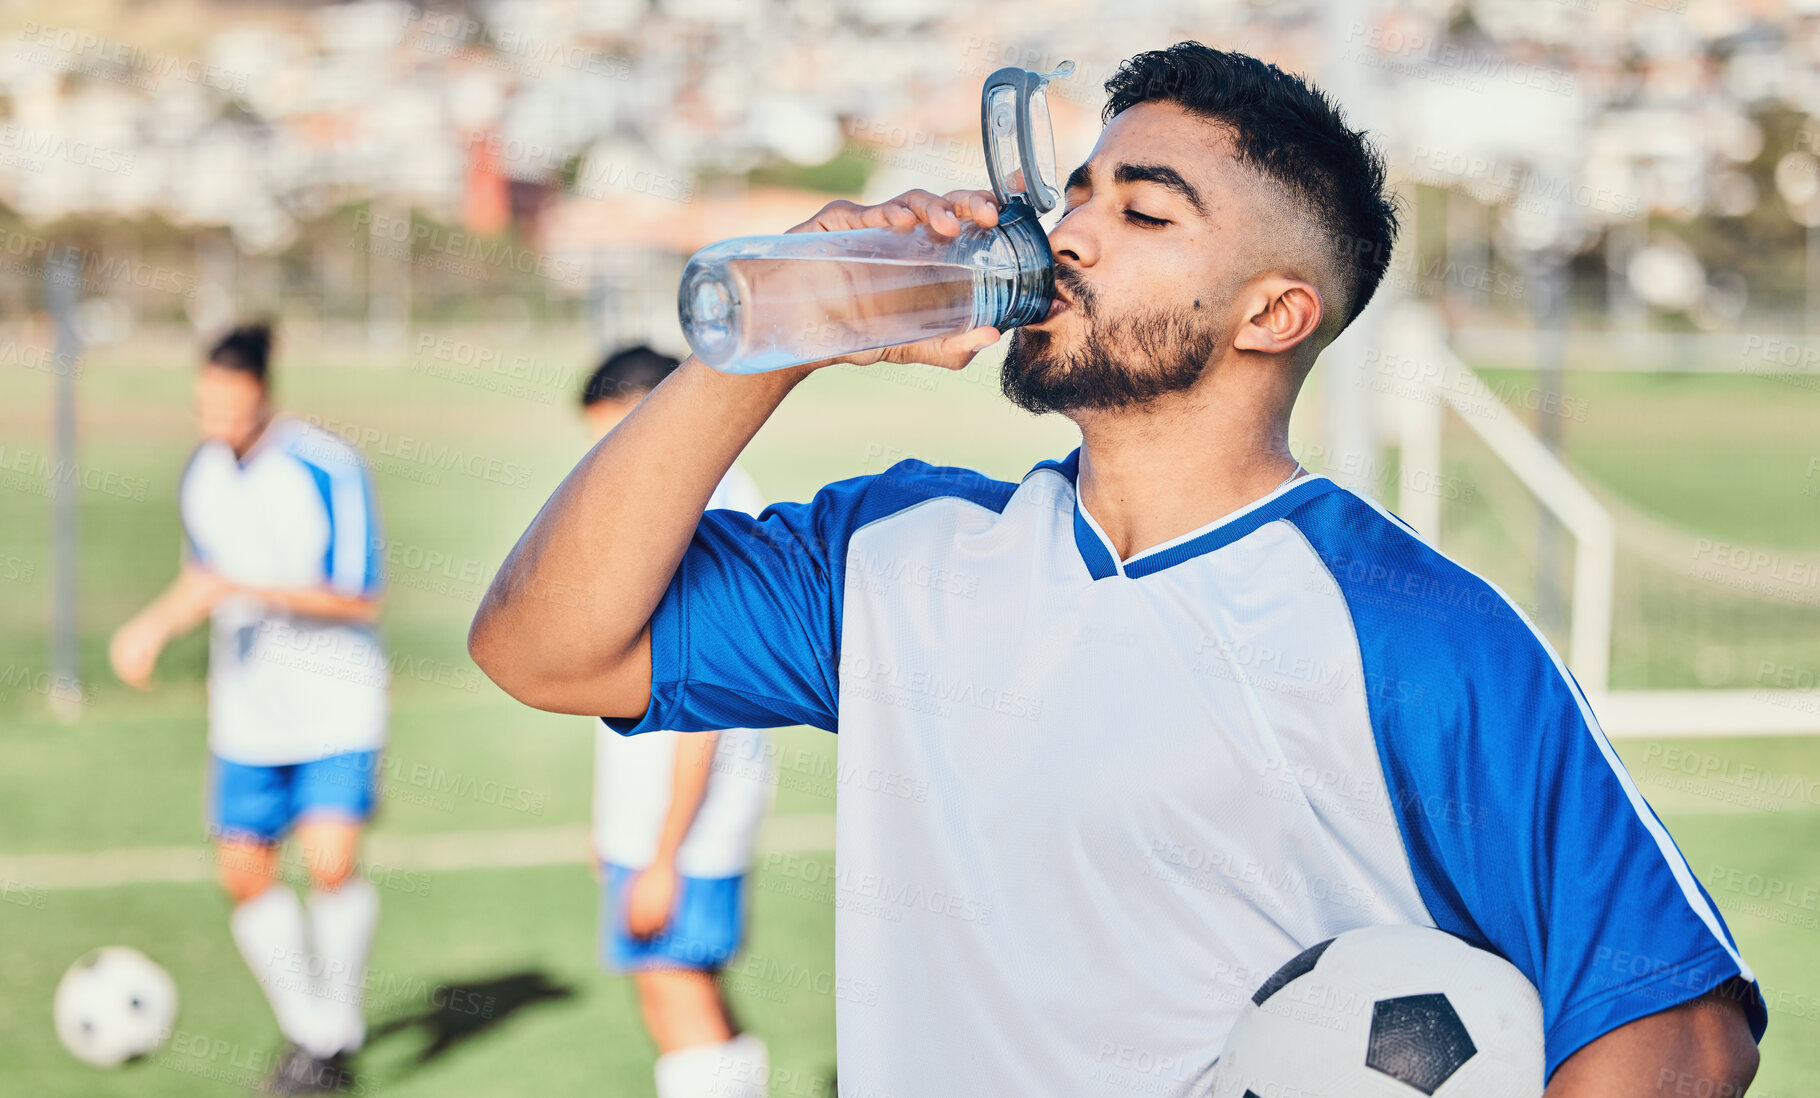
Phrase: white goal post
x=1428 y=380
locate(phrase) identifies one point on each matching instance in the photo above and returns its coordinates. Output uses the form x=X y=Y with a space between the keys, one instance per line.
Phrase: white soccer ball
x=1388 y=1012
x=114 y=1004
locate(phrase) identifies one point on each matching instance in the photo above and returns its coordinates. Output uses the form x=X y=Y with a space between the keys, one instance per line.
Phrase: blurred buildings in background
x=376 y=164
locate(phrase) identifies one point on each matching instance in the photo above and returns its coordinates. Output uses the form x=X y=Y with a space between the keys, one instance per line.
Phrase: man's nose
x=1072 y=241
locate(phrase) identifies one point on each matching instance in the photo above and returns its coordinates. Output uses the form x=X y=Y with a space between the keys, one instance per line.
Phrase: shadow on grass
x=461 y=1012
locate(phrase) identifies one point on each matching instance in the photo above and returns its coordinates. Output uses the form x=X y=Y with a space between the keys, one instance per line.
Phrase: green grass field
x=521 y=942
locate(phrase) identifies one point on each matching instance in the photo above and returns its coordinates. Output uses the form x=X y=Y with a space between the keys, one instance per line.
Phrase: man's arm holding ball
x=1701 y=1048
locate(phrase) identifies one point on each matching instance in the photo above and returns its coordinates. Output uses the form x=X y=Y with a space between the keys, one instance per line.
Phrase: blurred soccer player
x=280 y=534
x=674 y=822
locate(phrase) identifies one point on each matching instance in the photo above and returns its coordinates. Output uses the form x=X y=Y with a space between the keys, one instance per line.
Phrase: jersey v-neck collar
x=1103 y=563
x=267 y=440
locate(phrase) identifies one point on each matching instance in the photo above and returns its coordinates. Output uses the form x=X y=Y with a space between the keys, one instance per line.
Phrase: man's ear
x=1280 y=313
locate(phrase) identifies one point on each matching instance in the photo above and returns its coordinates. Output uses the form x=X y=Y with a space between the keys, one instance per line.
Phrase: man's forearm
x=688 y=788
x=320 y=604
x=563 y=625
x=186 y=603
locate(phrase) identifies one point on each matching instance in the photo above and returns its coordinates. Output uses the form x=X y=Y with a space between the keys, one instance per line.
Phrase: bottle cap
x=1020 y=142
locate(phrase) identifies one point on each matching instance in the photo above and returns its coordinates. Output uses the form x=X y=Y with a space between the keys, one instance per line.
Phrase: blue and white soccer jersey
x=296 y=512
x=632 y=786
x=1114 y=796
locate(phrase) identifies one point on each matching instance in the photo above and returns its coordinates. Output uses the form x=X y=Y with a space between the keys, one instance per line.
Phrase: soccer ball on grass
x=112 y=1005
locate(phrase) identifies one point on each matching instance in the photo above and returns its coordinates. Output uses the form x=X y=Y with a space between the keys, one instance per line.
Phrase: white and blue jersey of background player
x=1116 y=795
x=632 y=787
x=297 y=707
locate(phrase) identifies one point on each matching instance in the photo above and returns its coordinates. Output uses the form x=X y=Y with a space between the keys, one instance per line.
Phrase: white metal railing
x=1441 y=381
x=1432 y=379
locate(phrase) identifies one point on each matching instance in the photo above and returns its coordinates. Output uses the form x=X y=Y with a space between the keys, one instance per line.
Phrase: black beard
x=1120 y=364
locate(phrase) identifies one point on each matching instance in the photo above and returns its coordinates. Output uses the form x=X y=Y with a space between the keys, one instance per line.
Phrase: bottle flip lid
x=1020 y=142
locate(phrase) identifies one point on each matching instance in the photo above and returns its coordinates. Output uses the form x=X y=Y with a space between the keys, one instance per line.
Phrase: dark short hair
x=627 y=374
x=1287 y=131
x=247 y=348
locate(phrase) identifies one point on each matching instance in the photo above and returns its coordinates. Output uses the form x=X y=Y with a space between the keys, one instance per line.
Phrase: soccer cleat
x=300 y=1073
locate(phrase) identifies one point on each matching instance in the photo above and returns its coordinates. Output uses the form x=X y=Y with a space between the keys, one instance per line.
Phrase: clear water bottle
x=767 y=302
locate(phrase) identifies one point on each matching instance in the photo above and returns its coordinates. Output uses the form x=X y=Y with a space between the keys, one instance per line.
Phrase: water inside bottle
x=816 y=307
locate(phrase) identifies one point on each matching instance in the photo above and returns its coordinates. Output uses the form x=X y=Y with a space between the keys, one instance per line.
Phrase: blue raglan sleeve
x=1537 y=842
x=748 y=633
x=1524 y=831
x=352 y=564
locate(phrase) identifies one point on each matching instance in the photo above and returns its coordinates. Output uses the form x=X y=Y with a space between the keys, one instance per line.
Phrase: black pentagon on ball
x=1299 y=965
x=1418 y=1040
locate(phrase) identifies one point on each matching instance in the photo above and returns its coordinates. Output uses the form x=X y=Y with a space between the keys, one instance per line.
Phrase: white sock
x=341 y=925
x=270 y=933
x=740 y=1068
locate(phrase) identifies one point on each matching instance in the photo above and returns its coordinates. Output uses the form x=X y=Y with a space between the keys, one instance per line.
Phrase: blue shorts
x=262 y=802
x=704 y=931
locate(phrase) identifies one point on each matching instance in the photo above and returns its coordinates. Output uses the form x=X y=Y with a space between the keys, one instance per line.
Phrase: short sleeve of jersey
x=1524 y=832
x=747 y=635
x=351 y=558
x=193 y=551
